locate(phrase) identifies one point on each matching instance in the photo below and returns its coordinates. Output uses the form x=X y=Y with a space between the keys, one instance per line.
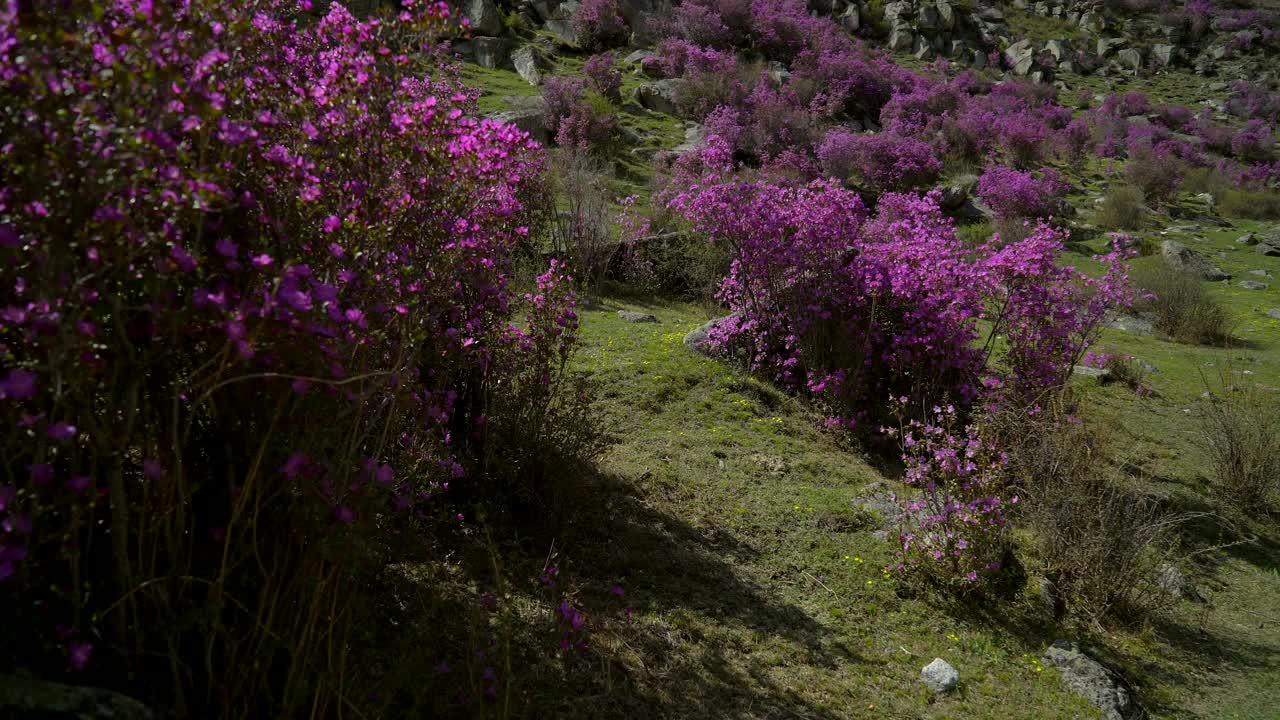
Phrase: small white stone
x=939 y=675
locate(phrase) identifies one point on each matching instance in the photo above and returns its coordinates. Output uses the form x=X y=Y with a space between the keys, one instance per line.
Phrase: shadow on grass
x=688 y=650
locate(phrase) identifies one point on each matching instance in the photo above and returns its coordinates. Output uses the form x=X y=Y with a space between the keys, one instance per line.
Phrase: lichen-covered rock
x=1184 y=259
x=22 y=697
x=939 y=676
x=636 y=317
x=1103 y=687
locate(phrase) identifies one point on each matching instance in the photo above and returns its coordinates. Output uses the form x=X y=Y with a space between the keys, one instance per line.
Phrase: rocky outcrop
x=658 y=96
x=22 y=697
x=1103 y=687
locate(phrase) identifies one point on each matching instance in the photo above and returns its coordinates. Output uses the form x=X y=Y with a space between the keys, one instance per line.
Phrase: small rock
x=1261 y=273
x=1050 y=603
x=658 y=96
x=1247 y=239
x=1253 y=285
x=1103 y=687
x=636 y=317
x=939 y=676
x=1171 y=580
x=1274 y=314
x=1093 y=372
x=1266 y=248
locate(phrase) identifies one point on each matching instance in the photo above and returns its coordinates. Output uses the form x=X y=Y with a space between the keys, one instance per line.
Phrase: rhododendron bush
x=255 y=293
x=855 y=309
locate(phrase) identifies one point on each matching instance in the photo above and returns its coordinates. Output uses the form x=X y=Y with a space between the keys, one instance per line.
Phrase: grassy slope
x=757 y=586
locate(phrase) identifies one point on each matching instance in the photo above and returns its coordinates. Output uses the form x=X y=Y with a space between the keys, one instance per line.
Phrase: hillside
x=630 y=359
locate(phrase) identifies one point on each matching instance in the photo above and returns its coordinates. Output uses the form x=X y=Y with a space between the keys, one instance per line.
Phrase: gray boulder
x=901 y=40
x=1129 y=59
x=1274 y=314
x=697 y=337
x=851 y=20
x=939 y=676
x=527 y=113
x=1247 y=239
x=529 y=63
x=1267 y=248
x=636 y=317
x=1103 y=687
x=1162 y=55
x=560 y=24
x=1093 y=372
x=22 y=697
x=490 y=52
x=1173 y=581
x=1184 y=259
x=1106 y=45
x=1021 y=56
x=484 y=15
x=1059 y=49
x=1253 y=285
x=658 y=96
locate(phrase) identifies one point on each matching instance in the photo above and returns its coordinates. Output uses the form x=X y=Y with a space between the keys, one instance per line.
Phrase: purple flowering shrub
x=603 y=76
x=576 y=117
x=954 y=532
x=880 y=161
x=256 y=288
x=597 y=25
x=1014 y=194
x=1254 y=143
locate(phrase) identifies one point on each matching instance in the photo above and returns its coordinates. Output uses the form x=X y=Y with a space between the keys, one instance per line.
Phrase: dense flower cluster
x=953 y=531
x=1015 y=194
x=255 y=288
x=854 y=309
x=597 y=25
x=879 y=161
x=575 y=116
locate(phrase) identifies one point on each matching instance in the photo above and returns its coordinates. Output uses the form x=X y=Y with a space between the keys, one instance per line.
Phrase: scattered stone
x=1261 y=273
x=658 y=96
x=636 y=317
x=1253 y=285
x=1162 y=55
x=1247 y=239
x=30 y=698
x=877 y=500
x=489 y=52
x=1268 y=249
x=697 y=337
x=1173 y=581
x=956 y=193
x=1131 y=324
x=939 y=676
x=1274 y=314
x=771 y=464
x=1093 y=372
x=1050 y=603
x=1106 y=45
x=1103 y=687
x=1182 y=258
x=1129 y=59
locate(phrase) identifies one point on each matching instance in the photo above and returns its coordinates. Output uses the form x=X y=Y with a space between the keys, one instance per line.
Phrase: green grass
x=756 y=585
x=1039 y=29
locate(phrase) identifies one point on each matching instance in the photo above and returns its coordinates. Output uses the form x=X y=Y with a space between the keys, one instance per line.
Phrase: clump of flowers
x=598 y=25
x=881 y=162
x=603 y=76
x=954 y=531
x=1015 y=194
